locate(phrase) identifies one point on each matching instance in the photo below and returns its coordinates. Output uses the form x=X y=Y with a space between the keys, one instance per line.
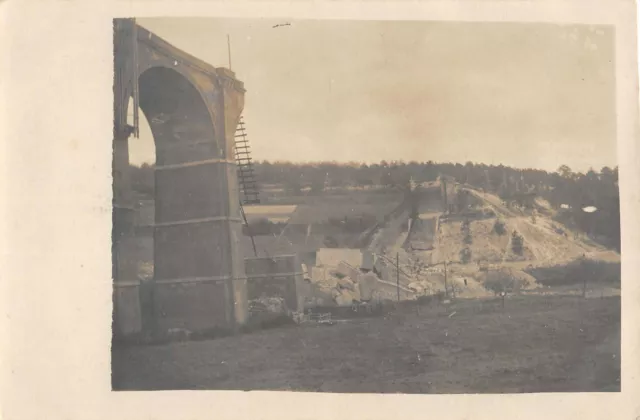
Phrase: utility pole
x=446 y=289
x=398 y=274
x=444 y=185
x=584 y=277
x=229 y=50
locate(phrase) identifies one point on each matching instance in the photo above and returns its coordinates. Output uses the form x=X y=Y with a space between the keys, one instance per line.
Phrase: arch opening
x=178 y=117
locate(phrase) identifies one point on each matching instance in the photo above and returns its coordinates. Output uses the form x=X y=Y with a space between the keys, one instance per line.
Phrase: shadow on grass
x=254 y=324
x=577 y=272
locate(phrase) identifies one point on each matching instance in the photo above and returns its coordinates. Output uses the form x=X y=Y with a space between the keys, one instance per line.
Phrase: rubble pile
x=267 y=304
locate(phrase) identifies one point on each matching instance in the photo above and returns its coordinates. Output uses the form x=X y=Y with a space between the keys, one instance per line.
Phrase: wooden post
x=398 y=274
x=446 y=201
x=446 y=289
x=584 y=276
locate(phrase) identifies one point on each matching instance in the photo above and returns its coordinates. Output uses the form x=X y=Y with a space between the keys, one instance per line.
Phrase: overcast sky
x=525 y=95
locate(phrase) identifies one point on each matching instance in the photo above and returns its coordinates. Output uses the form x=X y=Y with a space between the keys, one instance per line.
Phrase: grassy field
x=321 y=208
x=534 y=344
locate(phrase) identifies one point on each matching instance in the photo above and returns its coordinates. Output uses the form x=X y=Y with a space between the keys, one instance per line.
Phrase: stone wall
x=127 y=318
x=279 y=276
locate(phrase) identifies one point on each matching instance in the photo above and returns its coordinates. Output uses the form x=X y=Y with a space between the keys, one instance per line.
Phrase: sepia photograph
x=363 y=206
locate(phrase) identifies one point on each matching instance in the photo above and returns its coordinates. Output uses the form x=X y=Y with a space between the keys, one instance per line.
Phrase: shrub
x=465 y=255
x=499 y=227
x=503 y=281
x=517 y=243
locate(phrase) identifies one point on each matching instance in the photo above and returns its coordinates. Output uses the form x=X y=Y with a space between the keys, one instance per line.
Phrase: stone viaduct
x=193 y=109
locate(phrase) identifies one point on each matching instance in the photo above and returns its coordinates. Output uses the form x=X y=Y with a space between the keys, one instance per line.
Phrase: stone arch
x=182 y=126
x=192 y=109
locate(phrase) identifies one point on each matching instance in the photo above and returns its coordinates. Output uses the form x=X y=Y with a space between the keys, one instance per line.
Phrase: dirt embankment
x=545 y=243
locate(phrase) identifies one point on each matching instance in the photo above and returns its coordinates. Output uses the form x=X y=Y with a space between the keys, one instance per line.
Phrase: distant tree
x=293 y=187
x=559 y=187
x=503 y=281
x=317 y=185
x=387 y=180
x=417 y=268
x=607 y=175
x=465 y=255
x=517 y=243
x=565 y=171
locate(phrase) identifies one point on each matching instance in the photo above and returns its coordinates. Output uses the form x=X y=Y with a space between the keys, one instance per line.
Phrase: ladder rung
x=244 y=162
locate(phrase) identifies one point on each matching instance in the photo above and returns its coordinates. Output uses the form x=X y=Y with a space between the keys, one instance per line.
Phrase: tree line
x=566 y=190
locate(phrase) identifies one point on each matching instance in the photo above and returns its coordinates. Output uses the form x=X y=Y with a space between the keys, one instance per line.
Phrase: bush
x=429 y=299
x=517 y=243
x=466 y=231
x=465 y=255
x=503 y=281
x=499 y=227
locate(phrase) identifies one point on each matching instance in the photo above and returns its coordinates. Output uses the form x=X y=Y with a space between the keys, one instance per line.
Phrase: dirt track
x=536 y=344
